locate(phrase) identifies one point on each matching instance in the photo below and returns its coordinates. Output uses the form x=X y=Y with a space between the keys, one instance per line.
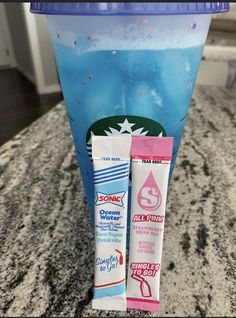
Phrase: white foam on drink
x=116 y=33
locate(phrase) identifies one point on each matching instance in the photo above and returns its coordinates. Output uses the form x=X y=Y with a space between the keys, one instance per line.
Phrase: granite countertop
x=46 y=261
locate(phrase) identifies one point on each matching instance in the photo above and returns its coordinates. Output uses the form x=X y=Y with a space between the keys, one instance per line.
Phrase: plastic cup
x=126 y=68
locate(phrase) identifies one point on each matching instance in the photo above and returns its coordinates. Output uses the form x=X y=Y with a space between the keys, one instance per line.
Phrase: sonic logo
x=114 y=198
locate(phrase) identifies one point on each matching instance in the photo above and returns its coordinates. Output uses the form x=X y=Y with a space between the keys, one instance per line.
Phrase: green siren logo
x=117 y=125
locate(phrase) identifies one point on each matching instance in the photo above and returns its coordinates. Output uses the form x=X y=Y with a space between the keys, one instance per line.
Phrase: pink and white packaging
x=151 y=158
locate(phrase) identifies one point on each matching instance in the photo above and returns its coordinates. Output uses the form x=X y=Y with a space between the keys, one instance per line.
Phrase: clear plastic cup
x=126 y=68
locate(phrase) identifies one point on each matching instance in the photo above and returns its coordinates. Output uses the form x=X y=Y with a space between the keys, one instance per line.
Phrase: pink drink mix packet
x=151 y=157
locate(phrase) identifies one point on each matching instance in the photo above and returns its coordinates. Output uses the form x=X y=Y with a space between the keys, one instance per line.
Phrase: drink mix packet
x=111 y=161
x=151 y=157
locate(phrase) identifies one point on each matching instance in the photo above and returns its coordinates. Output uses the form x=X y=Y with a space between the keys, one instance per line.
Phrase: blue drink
x=125 y=74
x=142 y=92
x=126 y=68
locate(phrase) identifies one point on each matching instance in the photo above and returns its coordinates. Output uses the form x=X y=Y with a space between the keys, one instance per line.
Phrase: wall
x=48 y=62
x=32 y=47
x=41 y=50
x=225 y=21
x=7 y=37
x=20 y=40
x=219 y=65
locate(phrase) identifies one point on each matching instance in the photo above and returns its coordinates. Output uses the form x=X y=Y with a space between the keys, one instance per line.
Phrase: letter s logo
x=149 y=197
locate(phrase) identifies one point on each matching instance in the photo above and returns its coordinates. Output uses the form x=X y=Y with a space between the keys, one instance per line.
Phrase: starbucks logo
x=117 y=125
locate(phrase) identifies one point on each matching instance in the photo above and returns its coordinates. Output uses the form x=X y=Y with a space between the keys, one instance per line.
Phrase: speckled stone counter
x=46 y=250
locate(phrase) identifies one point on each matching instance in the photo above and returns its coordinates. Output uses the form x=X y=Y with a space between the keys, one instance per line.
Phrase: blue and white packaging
x=111 y=162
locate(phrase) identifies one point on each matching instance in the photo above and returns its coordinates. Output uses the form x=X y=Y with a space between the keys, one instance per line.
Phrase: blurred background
x=29 y=84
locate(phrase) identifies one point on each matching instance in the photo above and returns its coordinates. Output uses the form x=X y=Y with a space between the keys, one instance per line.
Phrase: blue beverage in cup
x=126 y=68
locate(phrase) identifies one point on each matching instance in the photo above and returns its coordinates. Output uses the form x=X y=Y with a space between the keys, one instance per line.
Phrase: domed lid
x=128 y=8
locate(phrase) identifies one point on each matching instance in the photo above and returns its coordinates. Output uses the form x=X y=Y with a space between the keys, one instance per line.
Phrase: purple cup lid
x=128 y=8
